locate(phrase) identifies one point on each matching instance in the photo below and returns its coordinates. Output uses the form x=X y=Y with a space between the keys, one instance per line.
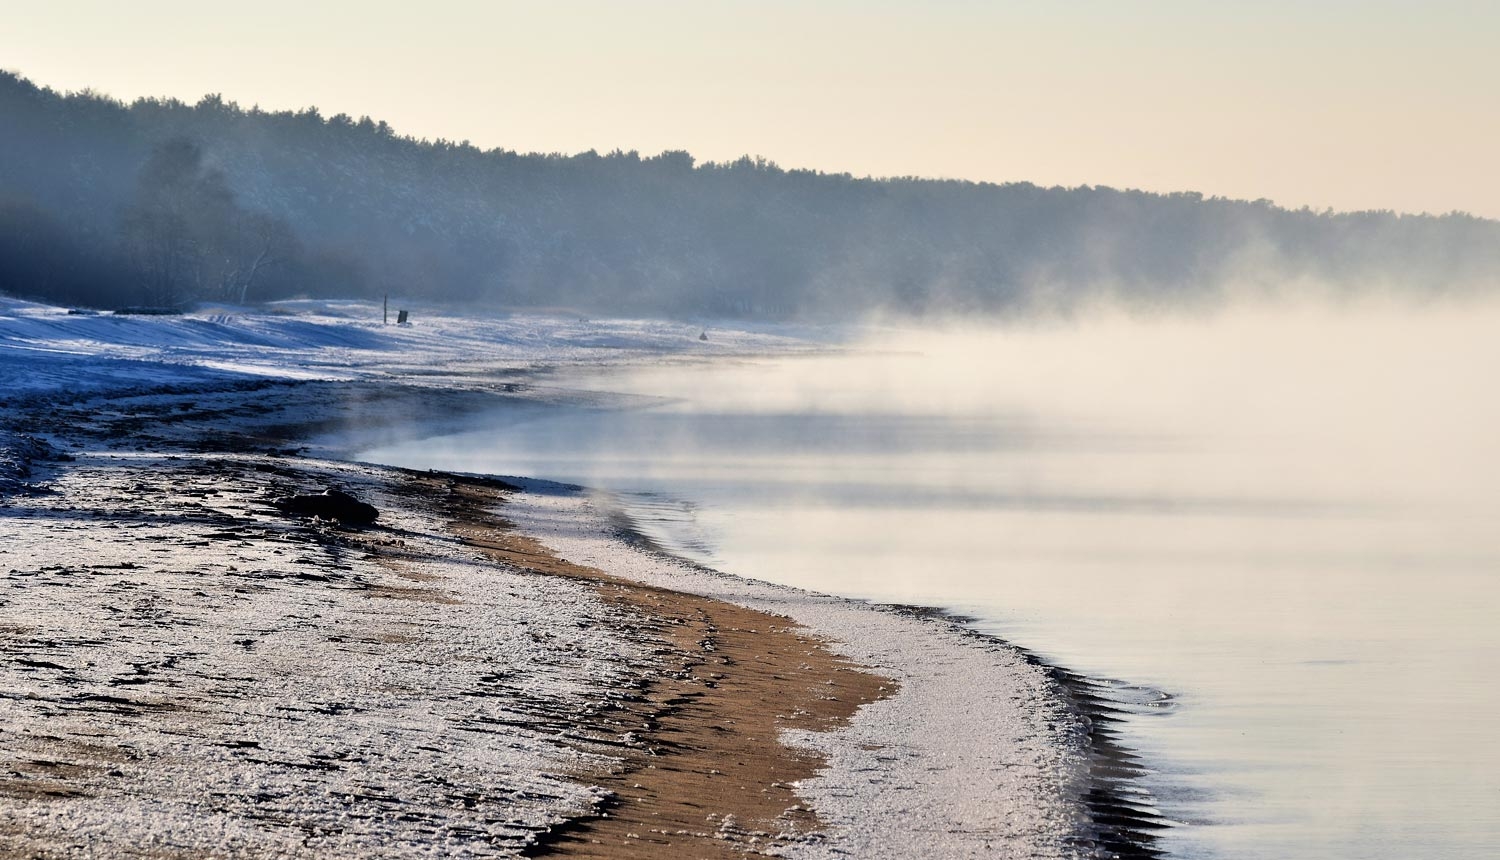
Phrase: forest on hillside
x=163 y=203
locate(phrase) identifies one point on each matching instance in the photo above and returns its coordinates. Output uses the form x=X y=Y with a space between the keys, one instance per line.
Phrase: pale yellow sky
x=1351 y=105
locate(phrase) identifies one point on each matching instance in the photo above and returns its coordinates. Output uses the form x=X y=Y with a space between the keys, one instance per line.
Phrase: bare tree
x=260 y=243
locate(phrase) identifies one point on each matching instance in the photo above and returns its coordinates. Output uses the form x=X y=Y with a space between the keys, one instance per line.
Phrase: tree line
x=161 y=202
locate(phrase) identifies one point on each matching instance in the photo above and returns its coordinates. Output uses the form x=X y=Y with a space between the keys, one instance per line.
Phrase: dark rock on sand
x=329 y=505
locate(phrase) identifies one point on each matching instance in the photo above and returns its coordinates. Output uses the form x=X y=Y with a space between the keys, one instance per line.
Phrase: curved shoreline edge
x=1123 y=819
x=1085 y=805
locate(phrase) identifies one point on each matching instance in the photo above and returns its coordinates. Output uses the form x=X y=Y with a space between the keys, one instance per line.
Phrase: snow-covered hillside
x=48 y=349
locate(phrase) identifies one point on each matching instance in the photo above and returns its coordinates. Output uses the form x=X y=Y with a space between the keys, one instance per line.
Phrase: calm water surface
x=1288 y=520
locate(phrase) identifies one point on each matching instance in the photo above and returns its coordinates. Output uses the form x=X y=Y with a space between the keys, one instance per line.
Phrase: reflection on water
x=1286 y=519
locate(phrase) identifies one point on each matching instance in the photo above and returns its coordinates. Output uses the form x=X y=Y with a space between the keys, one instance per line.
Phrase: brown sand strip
x=706 y=775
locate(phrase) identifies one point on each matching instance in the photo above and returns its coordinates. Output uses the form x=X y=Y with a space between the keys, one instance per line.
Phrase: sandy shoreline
x=670 y=694
x=709 y=776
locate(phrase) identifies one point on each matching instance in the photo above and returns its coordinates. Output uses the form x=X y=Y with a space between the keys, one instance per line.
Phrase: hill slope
x=160 y=201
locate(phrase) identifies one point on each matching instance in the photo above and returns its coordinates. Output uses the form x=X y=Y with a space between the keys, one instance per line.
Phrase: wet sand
x=710 y=776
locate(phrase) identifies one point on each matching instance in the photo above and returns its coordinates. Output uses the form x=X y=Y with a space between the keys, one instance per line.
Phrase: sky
x=1379 y=104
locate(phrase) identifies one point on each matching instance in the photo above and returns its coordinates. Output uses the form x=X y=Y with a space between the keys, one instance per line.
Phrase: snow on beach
x=189 y=671
x=186 y=670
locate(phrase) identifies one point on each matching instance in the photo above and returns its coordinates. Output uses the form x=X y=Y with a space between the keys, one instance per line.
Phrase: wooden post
x=385 y=310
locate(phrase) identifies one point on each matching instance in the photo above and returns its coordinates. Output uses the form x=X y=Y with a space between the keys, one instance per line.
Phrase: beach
x=493 y=668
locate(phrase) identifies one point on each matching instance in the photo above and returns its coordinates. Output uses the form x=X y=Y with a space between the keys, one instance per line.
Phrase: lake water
x=1286 y=519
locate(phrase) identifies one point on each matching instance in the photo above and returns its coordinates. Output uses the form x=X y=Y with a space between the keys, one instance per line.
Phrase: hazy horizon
x=1344 y=106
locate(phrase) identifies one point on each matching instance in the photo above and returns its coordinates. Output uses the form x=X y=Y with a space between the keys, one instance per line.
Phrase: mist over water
x=1285 y=517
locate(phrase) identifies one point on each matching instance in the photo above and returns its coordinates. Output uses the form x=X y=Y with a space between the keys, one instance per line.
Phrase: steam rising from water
x=1285 y=516
x=1387 y=404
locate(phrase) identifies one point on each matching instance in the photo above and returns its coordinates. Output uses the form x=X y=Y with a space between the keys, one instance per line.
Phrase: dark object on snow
x=149 y=312
x=329 y=505
x=703 y=336
x=401 y=318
